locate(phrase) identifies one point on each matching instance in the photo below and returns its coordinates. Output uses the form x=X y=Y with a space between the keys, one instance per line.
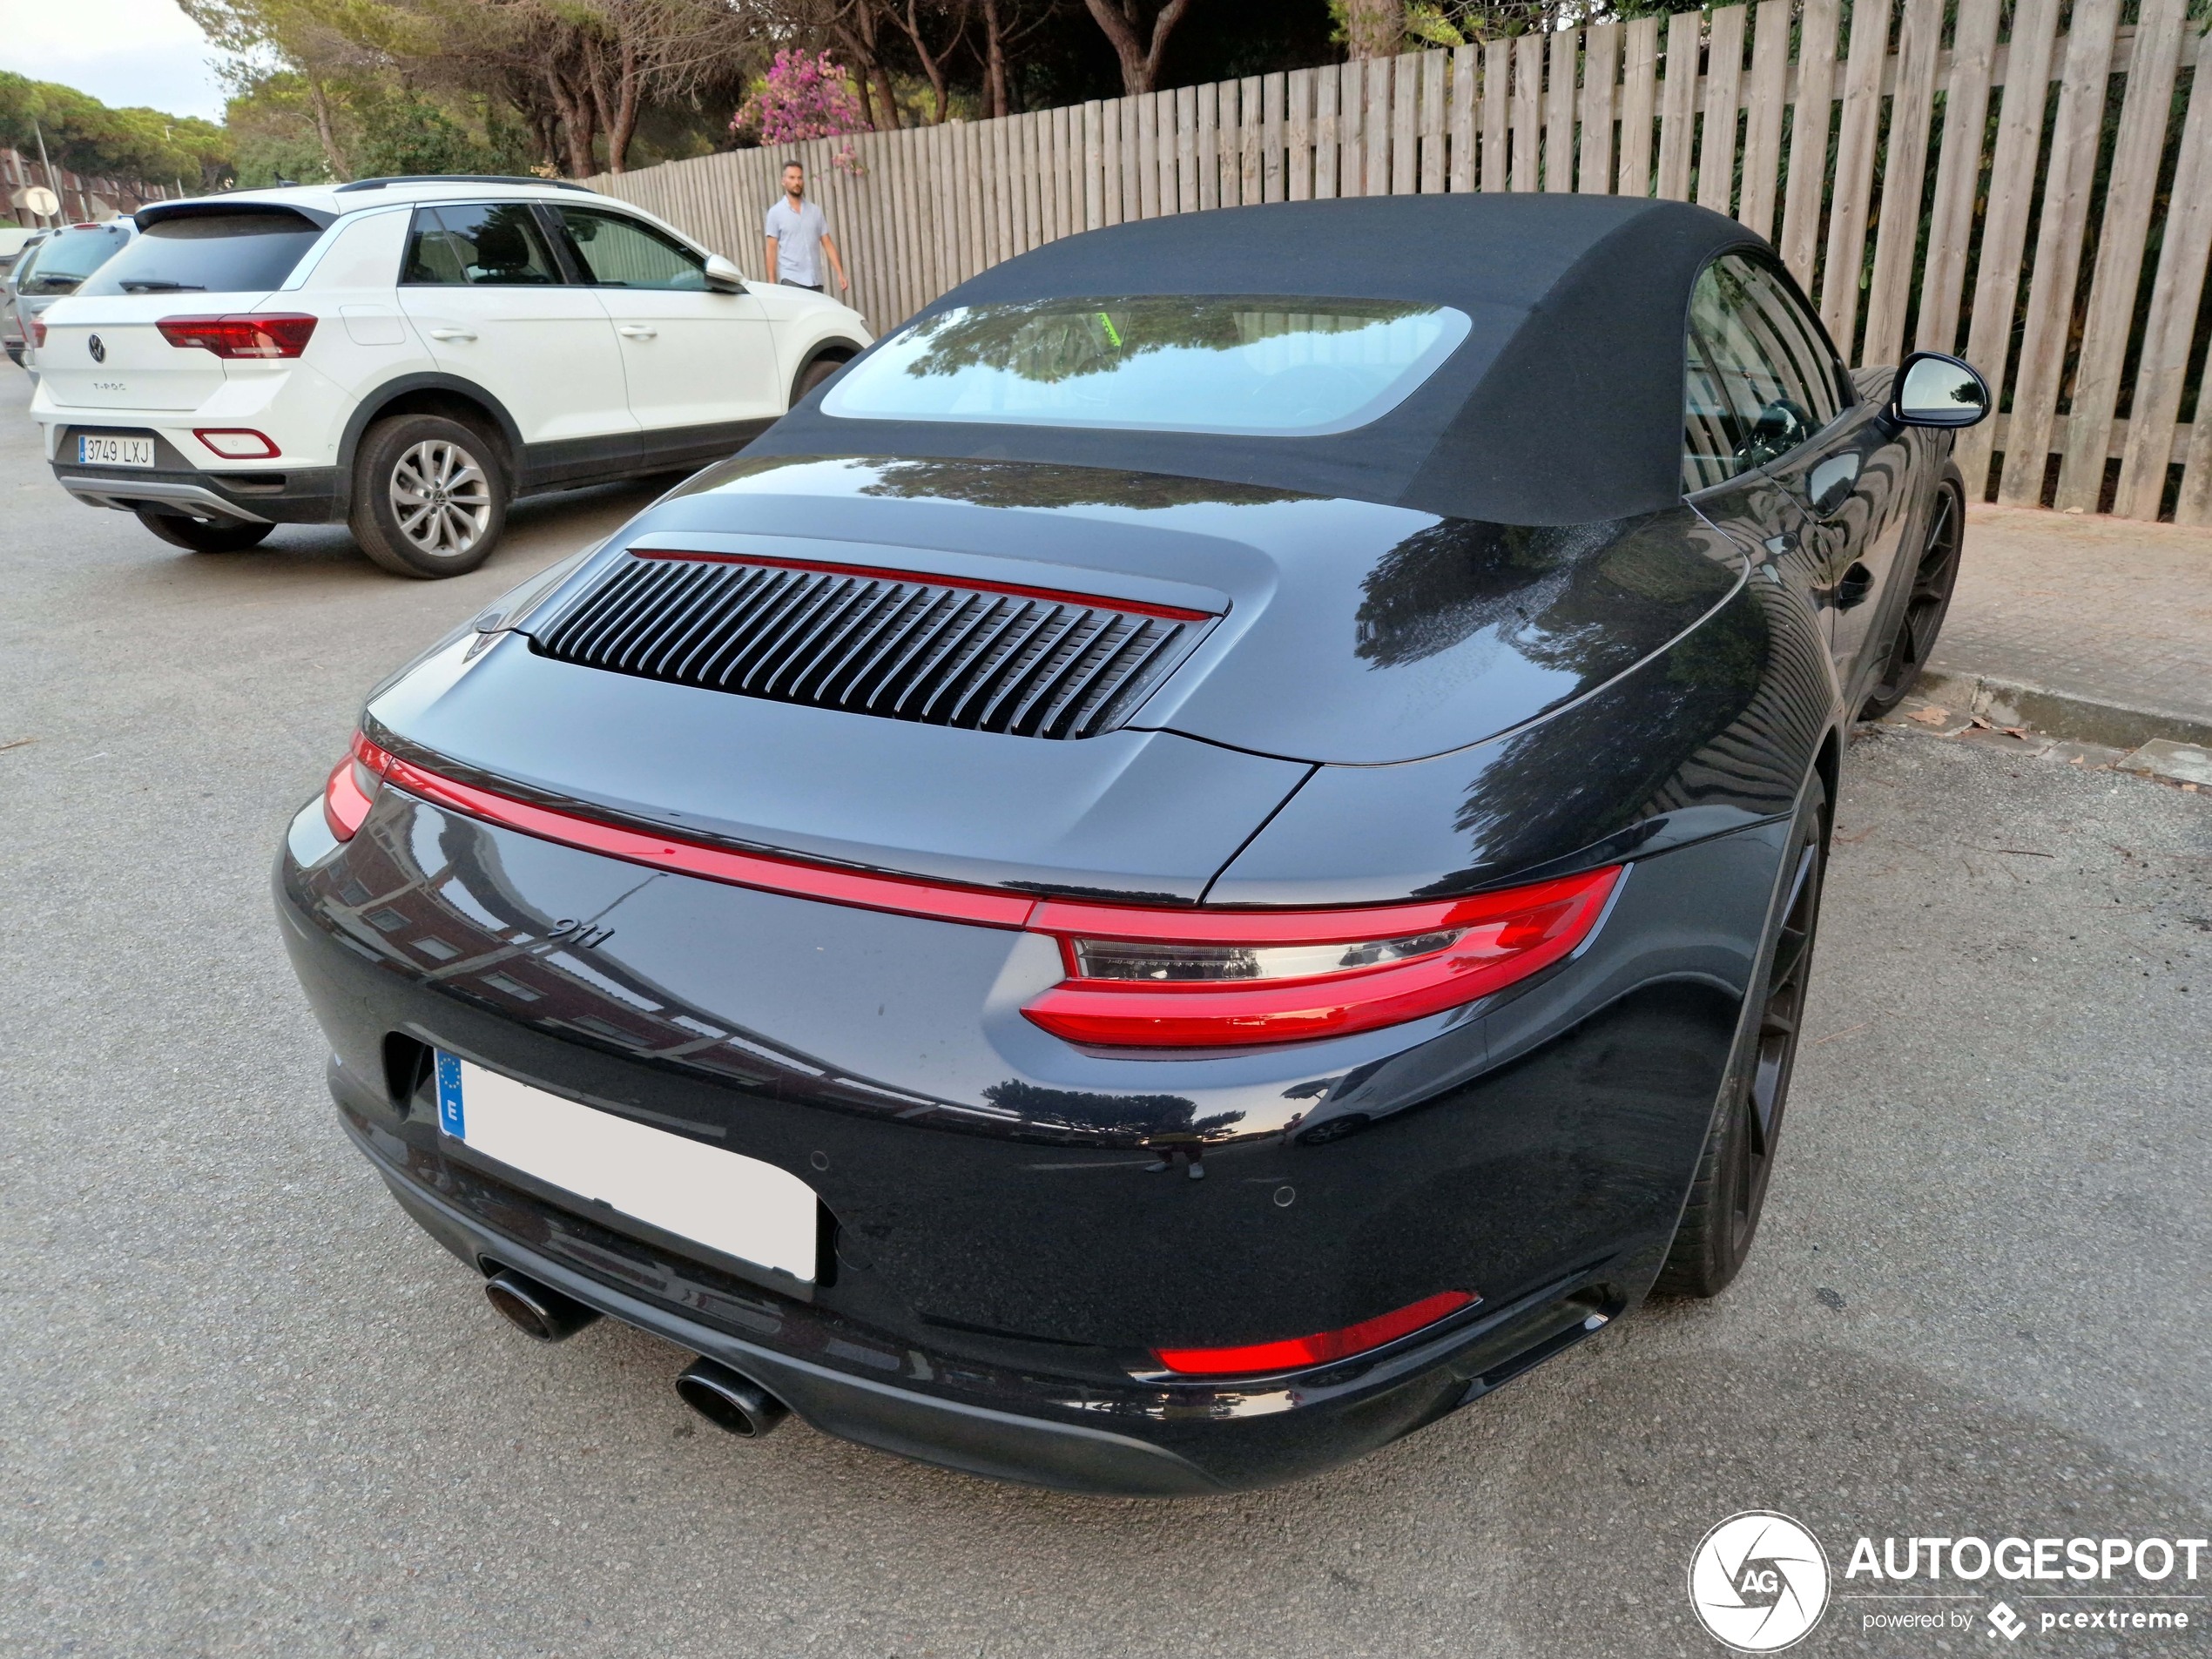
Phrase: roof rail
x=461 y=179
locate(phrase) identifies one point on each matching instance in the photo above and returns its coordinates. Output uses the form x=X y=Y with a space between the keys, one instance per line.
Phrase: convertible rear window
x=1265 y=365
x=209 y=253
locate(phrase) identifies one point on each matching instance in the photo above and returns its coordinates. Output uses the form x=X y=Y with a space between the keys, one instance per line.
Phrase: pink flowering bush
x=802 y=96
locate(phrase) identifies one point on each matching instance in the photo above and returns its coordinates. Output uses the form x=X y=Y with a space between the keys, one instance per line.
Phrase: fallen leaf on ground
x=1930 y=716
x=2015 y=731
x=1976 y=720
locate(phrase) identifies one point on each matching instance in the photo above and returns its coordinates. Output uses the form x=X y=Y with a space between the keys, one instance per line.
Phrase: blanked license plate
x=96 y=449
x=724 y=1200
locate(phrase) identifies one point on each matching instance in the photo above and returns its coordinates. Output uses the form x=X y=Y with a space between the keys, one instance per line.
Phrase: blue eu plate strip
x=450 y=1115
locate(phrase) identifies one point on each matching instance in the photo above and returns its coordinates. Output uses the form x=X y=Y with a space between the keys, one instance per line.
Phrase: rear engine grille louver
x=907 y=647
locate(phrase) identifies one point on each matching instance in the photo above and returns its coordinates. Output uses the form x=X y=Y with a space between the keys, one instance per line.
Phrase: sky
x=123 y=52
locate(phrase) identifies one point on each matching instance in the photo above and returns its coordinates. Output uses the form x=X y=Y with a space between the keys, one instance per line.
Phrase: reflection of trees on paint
x=1587 y=599
x=1135 y=1119
x=1020 y=483
x=1051 y=340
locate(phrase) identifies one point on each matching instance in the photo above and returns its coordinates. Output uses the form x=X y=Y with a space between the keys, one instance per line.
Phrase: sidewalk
x=2096 y=630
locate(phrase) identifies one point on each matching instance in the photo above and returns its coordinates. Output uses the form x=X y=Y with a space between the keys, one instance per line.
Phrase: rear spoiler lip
x=154 y=212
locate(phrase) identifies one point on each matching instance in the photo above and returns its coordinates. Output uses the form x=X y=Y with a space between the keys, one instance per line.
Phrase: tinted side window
x=1760 y=381
x=495 y=244
x=614 y=252
x=208 y=253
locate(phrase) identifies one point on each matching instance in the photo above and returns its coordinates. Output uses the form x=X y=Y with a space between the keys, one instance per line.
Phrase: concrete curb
x=2060 y=714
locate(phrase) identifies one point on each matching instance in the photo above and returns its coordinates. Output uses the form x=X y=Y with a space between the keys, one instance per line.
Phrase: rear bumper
x=948 y=1409
x=1005 y=1235
x=307 y=495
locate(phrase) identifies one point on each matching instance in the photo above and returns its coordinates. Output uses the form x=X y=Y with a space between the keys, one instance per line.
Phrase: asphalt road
x=249 y=1409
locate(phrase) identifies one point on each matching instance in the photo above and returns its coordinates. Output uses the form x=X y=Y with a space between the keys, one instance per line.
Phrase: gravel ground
x=249 y=1409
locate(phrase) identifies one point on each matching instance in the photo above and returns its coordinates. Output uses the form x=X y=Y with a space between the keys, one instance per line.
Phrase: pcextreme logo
x=1759 y=1581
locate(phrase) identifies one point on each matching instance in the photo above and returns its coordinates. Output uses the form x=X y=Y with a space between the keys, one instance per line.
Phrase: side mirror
x=723 y=276
x=1939 y=391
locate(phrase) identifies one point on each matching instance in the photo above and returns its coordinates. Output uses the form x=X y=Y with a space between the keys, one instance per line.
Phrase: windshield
x=209 y=253
x=70 y=256
x=1267 y=365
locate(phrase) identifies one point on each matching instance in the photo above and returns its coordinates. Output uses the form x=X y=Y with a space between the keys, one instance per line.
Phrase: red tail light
x=242 y=334
x=1214 y=979
x=1298 y=1353
x=351 y=789
x=1137 y=977
x=37 y=330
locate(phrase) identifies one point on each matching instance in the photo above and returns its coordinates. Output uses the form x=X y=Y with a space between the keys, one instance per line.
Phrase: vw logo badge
x=1759 y=1581
x=97 y=349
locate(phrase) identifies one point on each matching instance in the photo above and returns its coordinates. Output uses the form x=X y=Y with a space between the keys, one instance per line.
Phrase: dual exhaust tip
x=728 y=1399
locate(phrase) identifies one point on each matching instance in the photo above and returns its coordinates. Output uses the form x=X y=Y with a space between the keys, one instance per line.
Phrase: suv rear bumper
x=300 y=495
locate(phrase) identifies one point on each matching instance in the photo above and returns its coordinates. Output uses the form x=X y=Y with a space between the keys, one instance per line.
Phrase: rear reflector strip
x=1298 y=1353
x=1138 y=976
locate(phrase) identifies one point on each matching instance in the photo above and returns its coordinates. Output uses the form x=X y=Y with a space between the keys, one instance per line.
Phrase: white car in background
x=407 y=355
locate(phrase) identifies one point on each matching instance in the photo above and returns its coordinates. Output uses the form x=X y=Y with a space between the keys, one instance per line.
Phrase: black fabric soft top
x=1562 y=406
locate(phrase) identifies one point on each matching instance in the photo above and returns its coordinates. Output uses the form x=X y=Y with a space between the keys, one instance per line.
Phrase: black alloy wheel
x=1714 y=1236
x=205 y=535
x=429 y=496
x=1925 y=605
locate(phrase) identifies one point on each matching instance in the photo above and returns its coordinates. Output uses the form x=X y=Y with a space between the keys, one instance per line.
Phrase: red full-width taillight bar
x=260 y=334
x=1136 y=976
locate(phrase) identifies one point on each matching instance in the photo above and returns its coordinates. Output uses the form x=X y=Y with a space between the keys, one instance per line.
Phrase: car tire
x=813 y=374
x=429 y=496
x=1722 y=1218
x=1935 y=576
x=205 y=535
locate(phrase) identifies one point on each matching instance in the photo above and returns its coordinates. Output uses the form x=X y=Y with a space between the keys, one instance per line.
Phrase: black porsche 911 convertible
x=1203 y=857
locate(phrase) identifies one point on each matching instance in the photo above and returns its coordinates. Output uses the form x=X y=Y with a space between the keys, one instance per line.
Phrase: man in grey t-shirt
x=799 y=236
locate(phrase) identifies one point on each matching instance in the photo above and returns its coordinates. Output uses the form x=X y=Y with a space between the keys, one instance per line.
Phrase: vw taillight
x=242 y=334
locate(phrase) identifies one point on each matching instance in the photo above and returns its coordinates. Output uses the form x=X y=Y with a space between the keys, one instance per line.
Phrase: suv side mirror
x=1934 y=390
x=723 y=276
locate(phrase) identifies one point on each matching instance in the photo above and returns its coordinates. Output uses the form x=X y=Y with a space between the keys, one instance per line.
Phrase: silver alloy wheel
x=440 y=497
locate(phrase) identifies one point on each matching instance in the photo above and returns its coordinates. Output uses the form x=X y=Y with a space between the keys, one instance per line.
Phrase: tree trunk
x=856 y=31
x=324 y=133
x=1374 y=27
x=931 y=65
x=616 y=107
x=1140 y=58
x=994 y=59
x=577 y=127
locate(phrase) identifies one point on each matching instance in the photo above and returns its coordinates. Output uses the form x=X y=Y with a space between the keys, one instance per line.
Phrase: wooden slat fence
x=1964 y=178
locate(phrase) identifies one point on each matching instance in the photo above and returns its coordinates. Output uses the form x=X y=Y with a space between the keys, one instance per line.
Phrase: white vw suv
x=406 y=356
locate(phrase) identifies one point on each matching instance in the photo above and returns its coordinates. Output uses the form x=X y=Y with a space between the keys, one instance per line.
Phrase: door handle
x=453 y=334
x=636 y=331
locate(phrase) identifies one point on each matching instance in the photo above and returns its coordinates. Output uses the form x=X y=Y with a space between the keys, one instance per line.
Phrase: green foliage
x=403 y=132
x=85 y=136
